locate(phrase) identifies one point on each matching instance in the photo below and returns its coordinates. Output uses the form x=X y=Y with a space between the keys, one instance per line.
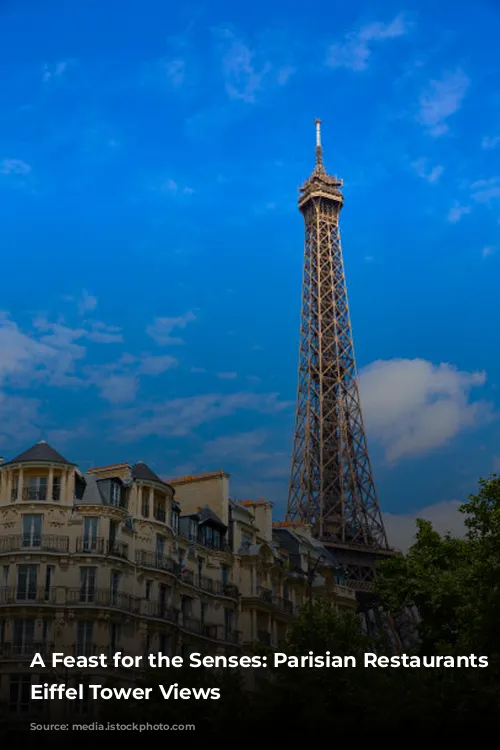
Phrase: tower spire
x=319 y=147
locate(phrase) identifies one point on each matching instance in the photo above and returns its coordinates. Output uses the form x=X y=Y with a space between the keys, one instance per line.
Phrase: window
x=114 y=586
x=84 y=632
x=87 y=584
x=160 y=547
x=246 y=541
x=224 y=574
x=216 y=541
x=113 y=528
x=165 y=644
x=49 y=573
x=114 y=638
x=228 y=621
x=90 y=529
x=56 y=489
x=26 y=582
x=32 y=530
x=20 y=693
x=36 y=489
x=14 y=490
x=175 y=520
x=147 y=593
x=200 y=568
x=208 y=536
x=6 y=575
x=115 y=493
x=145 y=506
x=163 y=599
x=24 y=636
x=203 y=612
x=186 y=606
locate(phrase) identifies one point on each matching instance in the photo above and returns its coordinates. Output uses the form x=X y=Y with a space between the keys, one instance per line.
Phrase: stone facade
x=118 y=559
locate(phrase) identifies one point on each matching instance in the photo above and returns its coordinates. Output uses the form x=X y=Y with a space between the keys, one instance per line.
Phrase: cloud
x=151 y=365
x=181 y=416
x=356 y=48
x=456 y=212
x=248 y=71
x=14 y=167
x=161 y=328
x=51 y=72
x=87 y=303
x=442 y=99
x=118 y=389
x=414 y=406
x=170 y=186
x=20 y=419
x=445 y=517
x=489 y=142
x=425 y=172
x=487 y=251
x=484 y=191
x=227 y=375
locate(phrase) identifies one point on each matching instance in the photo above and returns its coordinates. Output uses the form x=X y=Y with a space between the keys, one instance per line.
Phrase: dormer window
x=115 y=493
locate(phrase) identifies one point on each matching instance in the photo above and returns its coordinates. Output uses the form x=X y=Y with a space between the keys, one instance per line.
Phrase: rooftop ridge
x=125 y=465
x=195 y=477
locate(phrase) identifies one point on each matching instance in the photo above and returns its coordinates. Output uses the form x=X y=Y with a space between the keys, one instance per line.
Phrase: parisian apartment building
x=120 y=559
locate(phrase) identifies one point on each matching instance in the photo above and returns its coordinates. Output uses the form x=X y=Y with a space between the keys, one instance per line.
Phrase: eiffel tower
x=331 y=484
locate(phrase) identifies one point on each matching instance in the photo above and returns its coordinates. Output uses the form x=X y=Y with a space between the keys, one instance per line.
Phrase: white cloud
x=445 y=517
x=227 y=375
x=14 y=166
x=181 y=416
x=51 y=72
x=118 y=389
x=489 y=142
x=442 y=99
x=431 y=174
x=484 y=191
x=151 y=365
x=456 y=212
x=87 y=303
x=248 y=71
x=161 y=328
x=414 y=406
x=354 y=51
x=487 y=251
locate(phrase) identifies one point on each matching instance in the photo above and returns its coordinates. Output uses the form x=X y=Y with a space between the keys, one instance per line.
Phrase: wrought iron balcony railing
x=266 y=595
x=19 y=649
x=32 y=542
x=93 y=597
x=100 y=546
x=161 y=610
x=26 y=595
x=158 y=561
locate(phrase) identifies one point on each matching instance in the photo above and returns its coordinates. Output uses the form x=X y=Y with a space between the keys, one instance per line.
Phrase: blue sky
x=152 y=247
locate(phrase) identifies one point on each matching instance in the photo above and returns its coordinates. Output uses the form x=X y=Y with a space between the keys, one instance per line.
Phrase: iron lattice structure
x=331 y=485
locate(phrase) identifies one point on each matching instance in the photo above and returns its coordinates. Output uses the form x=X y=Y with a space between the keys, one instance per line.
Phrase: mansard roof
x=40 y=453
x=140 y=470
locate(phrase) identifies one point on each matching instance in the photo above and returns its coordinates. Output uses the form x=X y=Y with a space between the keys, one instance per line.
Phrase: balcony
x=161 y=611
x=158 y=561
x=159 y=515
x=88 y=596
x=187 y=576
x=218 y=587
x=100 y=546
x=266 y=595
x=25 y=649
x=30 y=543
x=26 y=595
x=285 y=605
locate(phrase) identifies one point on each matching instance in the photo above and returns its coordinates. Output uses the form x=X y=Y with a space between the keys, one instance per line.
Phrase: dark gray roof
x=205 y=514
x=140 y=470
x=91 y=494
x=41 y=451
